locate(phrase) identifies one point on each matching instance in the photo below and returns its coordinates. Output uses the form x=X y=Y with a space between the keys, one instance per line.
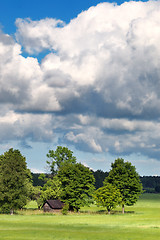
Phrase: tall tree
x=59 y=157
x=124 y=176
x=15 y=181
x=107 y=196
x=77 y=185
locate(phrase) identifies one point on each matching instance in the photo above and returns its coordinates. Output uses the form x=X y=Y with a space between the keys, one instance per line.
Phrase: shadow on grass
x=35 y=211
x=106 y=212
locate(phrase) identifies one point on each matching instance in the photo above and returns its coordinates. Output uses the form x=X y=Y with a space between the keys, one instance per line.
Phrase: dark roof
x=55 y=204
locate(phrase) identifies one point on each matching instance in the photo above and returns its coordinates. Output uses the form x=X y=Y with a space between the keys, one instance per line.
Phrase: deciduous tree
x=124 y=177
x=107 y=196
x=77 y=185
x=59 y=157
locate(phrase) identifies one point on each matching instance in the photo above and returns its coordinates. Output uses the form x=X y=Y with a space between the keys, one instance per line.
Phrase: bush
x=65 y=209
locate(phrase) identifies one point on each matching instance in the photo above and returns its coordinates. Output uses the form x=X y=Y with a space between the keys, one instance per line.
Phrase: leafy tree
x=59 y=157
x=51 y=190
x=77 y=185
x=124 y=176
x=15 y=181
x=107 y=196
x=34 y=192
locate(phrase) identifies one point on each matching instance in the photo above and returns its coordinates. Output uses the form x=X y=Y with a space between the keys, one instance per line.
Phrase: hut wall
x=46 y=208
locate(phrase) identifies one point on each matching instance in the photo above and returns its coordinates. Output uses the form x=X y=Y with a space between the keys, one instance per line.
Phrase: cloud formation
x=98 y=86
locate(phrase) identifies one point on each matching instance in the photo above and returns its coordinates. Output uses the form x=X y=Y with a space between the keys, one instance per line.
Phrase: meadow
x=141 y=221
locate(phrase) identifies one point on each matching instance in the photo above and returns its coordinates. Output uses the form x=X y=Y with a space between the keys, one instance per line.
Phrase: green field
x=141 y=221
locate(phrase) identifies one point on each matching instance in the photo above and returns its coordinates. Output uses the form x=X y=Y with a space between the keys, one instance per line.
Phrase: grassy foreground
x=141 y=221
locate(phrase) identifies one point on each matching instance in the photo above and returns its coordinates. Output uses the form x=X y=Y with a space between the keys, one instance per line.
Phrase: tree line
x=151 y=184
x=67 y=180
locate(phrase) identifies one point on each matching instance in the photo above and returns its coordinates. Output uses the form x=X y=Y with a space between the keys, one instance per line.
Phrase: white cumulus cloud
x=96 y=88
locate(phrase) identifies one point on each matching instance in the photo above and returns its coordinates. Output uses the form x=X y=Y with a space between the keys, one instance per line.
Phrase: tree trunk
x=109 y=212
x=11 y=212
x=122 y=208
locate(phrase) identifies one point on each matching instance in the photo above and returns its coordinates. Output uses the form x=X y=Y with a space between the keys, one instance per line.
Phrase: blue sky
x=81 y=74
x=62 y=9
x=39 y=9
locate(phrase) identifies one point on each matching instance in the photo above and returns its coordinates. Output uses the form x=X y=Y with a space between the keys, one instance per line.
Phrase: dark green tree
x=108 y=196
x=77 y=185
x=15 y=181
x=59 y=157
x=124 y=177
x=99 y=178
x=157 y=189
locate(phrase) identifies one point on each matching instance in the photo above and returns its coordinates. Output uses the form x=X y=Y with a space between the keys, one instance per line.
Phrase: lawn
x=141 y=221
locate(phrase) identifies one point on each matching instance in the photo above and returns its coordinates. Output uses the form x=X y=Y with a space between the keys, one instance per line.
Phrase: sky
x=84 y=75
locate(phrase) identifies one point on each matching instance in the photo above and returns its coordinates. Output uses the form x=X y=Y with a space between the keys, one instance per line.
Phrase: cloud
x=115 y=57
x=98 y=86
x=25 y=126
x=85 y=141
x=22 y=85
x=31 y=33
x=35 y=170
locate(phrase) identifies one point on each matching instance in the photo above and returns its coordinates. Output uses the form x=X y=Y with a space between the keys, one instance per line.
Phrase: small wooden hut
x=53 y=206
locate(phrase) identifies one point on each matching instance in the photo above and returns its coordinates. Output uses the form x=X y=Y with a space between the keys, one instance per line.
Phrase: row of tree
x=151 y=184
x=68 y=180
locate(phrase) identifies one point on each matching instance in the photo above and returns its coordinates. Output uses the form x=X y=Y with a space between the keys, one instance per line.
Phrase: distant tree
x=15 y=181
x=157 y=189
x=51 y=190
x=108 y=196
x=99 y=178
x=37 y=180
x=150 y=183
x=59 y=157
x=124 y=177
x=77 y=185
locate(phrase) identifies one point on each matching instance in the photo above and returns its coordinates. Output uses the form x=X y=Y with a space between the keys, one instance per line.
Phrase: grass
x=141 y=221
